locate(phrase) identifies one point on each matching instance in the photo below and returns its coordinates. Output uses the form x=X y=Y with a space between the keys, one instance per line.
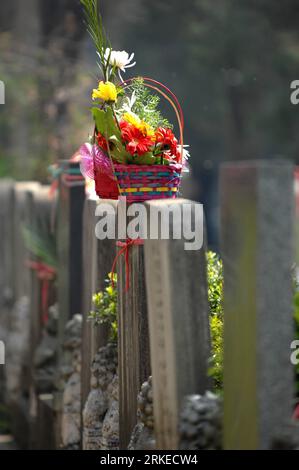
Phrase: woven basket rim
x=133 y=166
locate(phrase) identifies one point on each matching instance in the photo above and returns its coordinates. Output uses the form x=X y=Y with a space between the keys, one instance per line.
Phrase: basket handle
x=172 y=99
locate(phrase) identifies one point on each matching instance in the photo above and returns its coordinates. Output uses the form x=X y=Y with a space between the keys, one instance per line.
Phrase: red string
x=45 y=274
x=125 y=250
x=53 y=188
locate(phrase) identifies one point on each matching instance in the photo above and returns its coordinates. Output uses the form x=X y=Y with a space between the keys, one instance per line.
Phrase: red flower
x=125 y=130
x=102 y=141
x=166 y=138
x=134 y=139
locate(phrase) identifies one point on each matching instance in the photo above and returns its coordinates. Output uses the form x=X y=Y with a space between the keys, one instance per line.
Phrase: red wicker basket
x=144 y=182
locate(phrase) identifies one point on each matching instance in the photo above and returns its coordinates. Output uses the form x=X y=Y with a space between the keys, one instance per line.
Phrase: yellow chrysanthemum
x=132 y=118
x=145 y=128
x=106 y=91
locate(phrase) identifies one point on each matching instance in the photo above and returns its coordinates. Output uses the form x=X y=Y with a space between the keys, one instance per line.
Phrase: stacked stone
x=104 y=366
x=143 y=435
x=201 y=422
x=101 y=411
x=145 y=404
x=71 y=372
x=110 y=429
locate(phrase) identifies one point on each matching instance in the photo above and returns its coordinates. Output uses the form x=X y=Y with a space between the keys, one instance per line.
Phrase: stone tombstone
x=133 y=336
x=6 y=272
x=42 y=207
x=71 y=196
x=257 y=205
x=69 y=228
x=178 y=314
x=6 y=246
x=98 y=256
x=22 y=217
x=17 y=346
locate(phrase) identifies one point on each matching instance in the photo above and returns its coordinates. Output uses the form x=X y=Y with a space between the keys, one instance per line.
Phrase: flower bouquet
x=133 y=151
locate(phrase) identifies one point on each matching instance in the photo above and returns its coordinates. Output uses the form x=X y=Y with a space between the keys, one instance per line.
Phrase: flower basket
x=141 y=182
x=133 y=152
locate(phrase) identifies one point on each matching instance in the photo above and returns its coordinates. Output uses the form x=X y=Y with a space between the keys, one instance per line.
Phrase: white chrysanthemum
x=120 y=59
x=186 y=156
x=186 y=153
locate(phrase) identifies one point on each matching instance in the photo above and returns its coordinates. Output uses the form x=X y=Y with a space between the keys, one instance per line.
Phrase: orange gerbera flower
x=136 y=142
x=166 y=138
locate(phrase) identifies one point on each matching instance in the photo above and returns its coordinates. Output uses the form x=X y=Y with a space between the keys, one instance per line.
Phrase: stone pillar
x=178 y=317
x=71 y=197
x=98 y=258
x=17 y=346
x=6 y=246
x=41 y=210
x=257 y=204
x=133 y=336
x=42 y=206
x=6 y=272
x=69 y=244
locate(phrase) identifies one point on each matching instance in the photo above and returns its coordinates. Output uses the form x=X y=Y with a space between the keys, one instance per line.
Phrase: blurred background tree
x=230 y=63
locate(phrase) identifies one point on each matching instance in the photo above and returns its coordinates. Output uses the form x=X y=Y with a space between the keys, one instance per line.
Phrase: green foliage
x=215 y=296
x=106 y=125
x=105 y=308
x=146 y=105
x=216 y=368
x=94 y=24
x=105 y=122
x=41 y=244
x=215 y=283
x=146 y=159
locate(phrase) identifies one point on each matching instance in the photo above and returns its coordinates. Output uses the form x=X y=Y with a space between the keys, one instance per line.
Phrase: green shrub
x=215 y=296
x=105 y=308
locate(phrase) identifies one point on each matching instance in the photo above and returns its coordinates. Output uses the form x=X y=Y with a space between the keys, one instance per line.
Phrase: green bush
x=105 y=312
x=215 y=296
x=105 y=308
